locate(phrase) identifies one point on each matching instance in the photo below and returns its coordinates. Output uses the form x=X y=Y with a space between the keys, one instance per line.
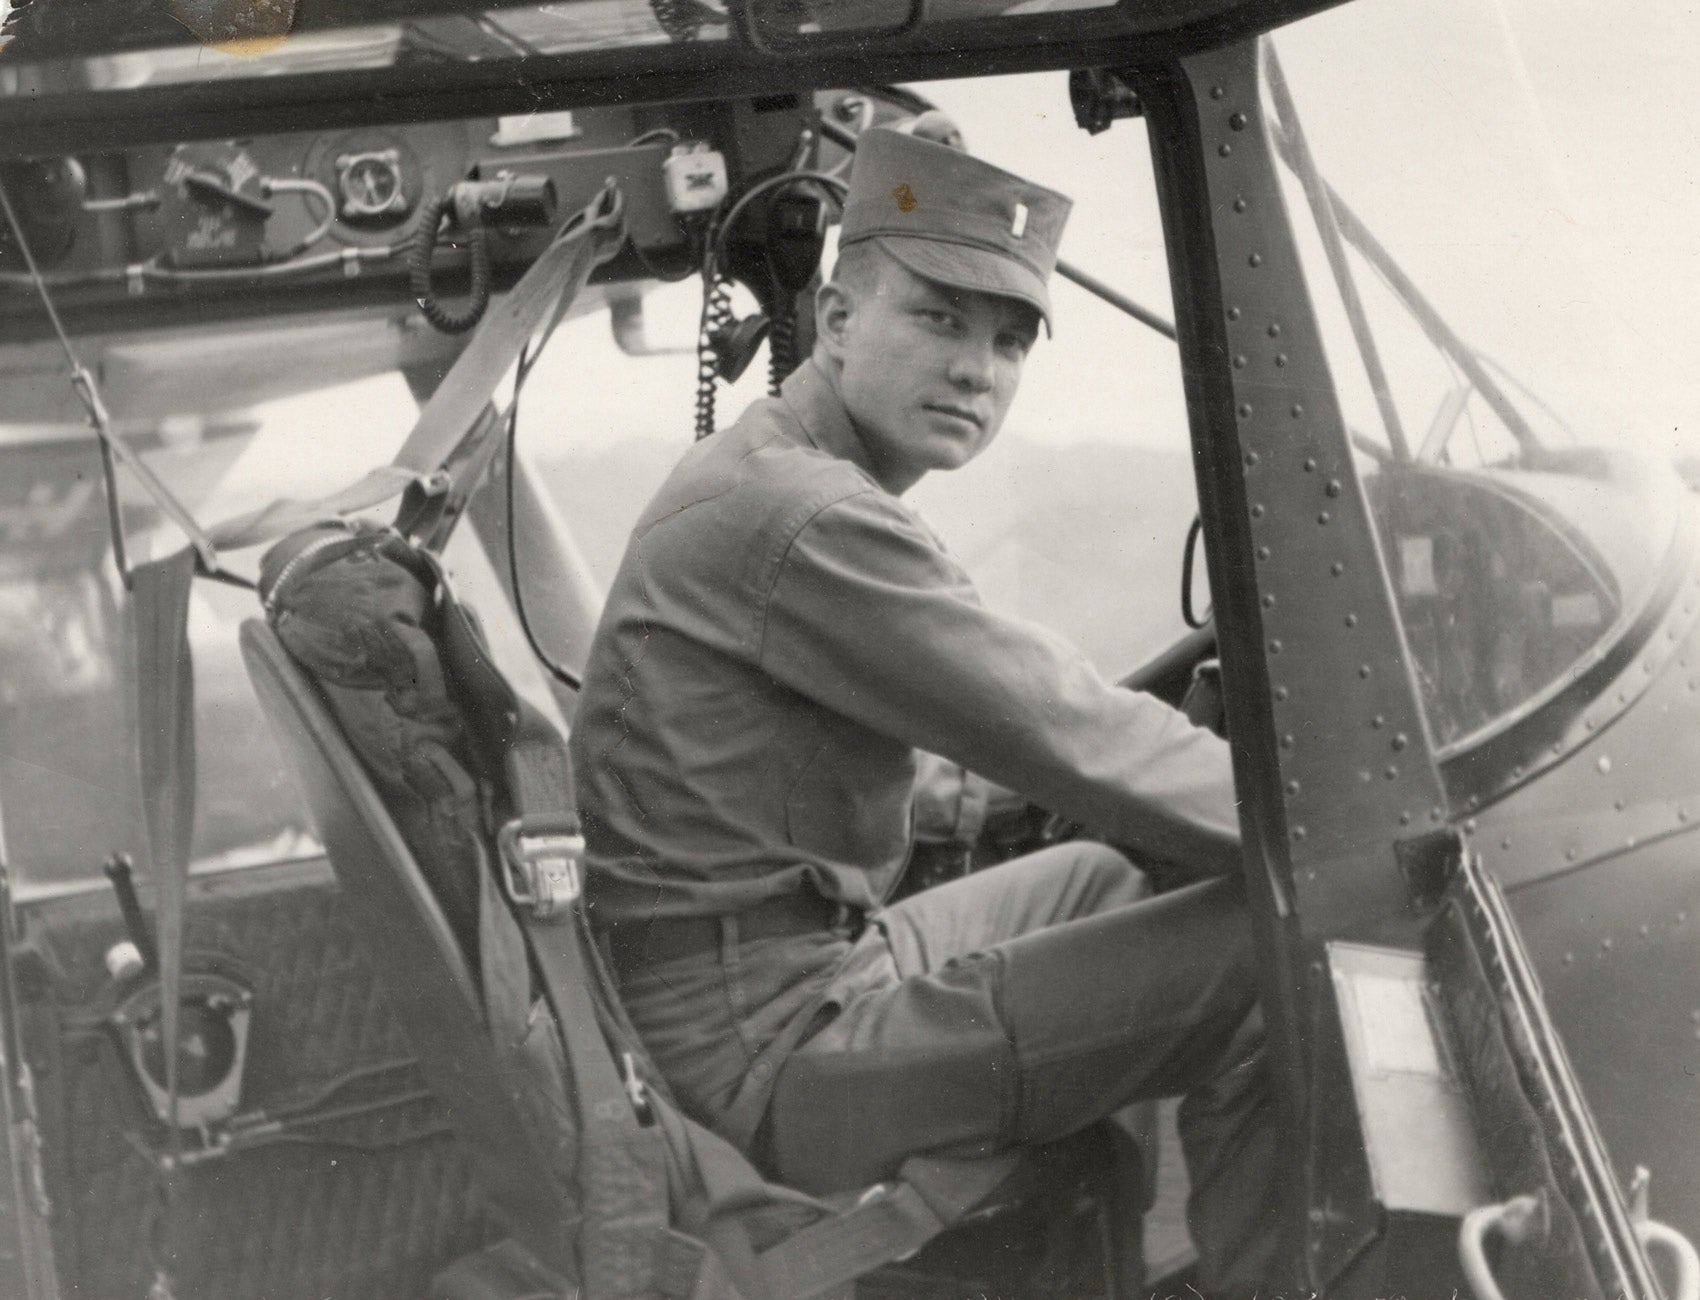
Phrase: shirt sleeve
x=869 y=616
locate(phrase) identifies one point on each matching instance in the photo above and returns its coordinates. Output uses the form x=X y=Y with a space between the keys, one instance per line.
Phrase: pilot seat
x=604 y=1189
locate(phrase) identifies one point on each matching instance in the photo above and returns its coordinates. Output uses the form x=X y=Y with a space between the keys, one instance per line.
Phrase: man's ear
x=834 y=305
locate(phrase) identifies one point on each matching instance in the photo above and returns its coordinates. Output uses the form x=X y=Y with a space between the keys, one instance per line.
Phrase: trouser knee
x=1107 y=877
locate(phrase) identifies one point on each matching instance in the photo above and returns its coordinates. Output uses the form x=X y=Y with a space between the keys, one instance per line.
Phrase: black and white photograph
x=849 y=650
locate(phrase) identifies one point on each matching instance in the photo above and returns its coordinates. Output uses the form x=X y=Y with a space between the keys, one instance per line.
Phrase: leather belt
x=634 y=945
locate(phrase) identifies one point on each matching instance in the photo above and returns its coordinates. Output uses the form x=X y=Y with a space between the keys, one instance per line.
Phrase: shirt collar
x=820 y=411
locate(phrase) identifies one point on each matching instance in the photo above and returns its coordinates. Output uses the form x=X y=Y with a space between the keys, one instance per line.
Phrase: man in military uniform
x=782 y=636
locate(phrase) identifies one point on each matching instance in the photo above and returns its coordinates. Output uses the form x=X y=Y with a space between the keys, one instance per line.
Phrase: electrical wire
x=152 y=269
x=446 y=319
x=782 y=356
x=560 y=672
x=834 y=185
x=1192 y=620
x=325 y=1091
x=717 y=291
x=304 y=185
x=652 y=135
x=716 y=316
x=126 y=203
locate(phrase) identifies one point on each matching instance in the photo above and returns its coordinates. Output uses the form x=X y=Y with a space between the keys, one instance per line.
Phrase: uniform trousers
x=1015 y=1006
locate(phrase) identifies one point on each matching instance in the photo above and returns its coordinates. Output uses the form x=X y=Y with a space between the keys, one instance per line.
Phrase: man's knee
x=1107 y=878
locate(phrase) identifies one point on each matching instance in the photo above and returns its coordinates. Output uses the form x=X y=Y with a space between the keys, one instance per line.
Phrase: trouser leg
x=1037 y=1035
x=1065 y=882
x=1231 y=1134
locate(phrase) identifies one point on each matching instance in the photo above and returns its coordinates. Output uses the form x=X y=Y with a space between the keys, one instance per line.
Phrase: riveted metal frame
x=1333 y=759
x=1336 y=761
x=1175 y=126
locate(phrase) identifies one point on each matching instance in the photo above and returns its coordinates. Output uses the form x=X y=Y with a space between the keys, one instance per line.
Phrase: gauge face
x=370 y=185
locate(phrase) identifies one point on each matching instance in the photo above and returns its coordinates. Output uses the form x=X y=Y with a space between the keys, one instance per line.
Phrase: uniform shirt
x=782 y=635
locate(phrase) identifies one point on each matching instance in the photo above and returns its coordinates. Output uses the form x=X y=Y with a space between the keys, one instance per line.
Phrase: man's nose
x=971 y=366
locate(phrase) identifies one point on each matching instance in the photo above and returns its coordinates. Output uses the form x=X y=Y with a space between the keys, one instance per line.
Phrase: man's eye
x=937 y=317
x=1014 y=344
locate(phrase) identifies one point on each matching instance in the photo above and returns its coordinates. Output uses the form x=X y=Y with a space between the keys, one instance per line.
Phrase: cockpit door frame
x=1333 y=761
x=1313 y=657
x=1332 y=755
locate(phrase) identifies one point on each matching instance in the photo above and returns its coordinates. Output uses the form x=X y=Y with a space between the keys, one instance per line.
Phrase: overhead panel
x=78 y=73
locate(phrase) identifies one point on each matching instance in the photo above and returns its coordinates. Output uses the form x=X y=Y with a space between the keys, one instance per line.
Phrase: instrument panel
x=202 y=230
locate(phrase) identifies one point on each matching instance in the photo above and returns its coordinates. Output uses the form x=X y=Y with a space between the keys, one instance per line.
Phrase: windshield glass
x=1519 y=534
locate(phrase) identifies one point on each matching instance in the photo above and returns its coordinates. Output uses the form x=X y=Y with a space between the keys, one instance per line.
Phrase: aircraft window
x=1515 y=543
x=67 y=781
x=68 y=796
x=476 y=583
x=1074 y=518
x=61 y=768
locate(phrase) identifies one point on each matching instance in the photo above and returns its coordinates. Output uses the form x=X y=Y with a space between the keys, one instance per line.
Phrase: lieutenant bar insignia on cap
x=953 y=219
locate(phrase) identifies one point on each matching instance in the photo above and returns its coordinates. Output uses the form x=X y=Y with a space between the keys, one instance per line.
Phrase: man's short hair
x=859 y=266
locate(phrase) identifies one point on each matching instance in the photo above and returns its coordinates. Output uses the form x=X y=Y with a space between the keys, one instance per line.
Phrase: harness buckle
x=636 y=1089
x=541 y=863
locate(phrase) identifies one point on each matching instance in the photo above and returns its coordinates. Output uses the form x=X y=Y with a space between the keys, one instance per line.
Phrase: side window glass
x=1516 y=541
x=1076 y=517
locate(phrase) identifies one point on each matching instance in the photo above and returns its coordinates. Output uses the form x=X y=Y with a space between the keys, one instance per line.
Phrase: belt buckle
x=541 y=859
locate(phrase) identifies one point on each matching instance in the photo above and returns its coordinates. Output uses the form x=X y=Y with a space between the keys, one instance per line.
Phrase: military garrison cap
x=953 y=219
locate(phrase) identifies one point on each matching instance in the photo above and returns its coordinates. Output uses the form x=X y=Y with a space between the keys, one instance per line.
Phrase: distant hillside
x=1085 y=539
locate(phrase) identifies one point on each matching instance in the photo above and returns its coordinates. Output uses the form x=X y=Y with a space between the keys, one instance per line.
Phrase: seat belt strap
x=531 y=308
x=686 y=1269
x=892 y=1221
x=165 y=725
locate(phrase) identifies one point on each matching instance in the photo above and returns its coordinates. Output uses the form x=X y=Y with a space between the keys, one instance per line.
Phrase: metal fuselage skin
x=1603 y=873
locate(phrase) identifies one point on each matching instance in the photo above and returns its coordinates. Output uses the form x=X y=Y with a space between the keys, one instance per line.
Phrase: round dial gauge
x=370 y=184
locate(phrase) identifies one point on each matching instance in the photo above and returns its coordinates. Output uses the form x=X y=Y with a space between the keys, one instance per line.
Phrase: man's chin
x=957 y=452
x=953 y=446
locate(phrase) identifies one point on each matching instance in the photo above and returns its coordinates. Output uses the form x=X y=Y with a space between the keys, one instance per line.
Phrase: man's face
x=927 y=373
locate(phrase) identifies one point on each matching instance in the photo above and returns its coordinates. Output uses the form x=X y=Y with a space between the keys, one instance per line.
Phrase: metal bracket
x=1427 y=864
x=1100 y=97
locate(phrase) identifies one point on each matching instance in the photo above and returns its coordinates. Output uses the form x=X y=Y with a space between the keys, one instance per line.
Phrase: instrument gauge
x=370 y=185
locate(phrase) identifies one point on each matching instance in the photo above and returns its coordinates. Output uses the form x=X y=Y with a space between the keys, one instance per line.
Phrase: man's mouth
x=959 y=412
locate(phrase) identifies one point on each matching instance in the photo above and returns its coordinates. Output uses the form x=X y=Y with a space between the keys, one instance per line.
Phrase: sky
x=1534 y=165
